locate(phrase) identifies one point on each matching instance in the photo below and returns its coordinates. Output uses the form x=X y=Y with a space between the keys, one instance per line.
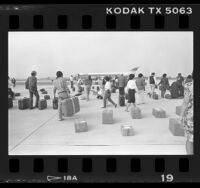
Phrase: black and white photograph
x=100 y=93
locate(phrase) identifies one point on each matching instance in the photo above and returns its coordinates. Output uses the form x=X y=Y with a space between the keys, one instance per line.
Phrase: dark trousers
x=31 y=93
x=72 y=84
x=163 y=91
x=121 y=91
x=181 y=90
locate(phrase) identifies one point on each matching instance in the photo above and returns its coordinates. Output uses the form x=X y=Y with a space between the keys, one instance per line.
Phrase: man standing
x=31 y=84
x=121 y=84
x=72 y=81
x=140 y=83
x=152 y=83
x=180 y=81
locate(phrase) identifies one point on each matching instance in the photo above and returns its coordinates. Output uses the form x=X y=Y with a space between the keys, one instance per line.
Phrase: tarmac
x=38 y=132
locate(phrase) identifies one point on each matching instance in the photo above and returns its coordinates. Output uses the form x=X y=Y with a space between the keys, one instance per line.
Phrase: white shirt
x=108 y=86
x=71 y=78
x=131 y=85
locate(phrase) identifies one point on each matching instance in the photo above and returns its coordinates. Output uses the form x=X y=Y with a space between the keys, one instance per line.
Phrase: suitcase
x=168 y=96
x=44 y=92
x=76 y=104
x=55 y=103
x=70 y=106
x=17 y=94
x=10 y=102
x=178 y=110
x=107 y=117
x=23 y=103
x=46 y=97
x=121 y=100
x=175 y=127
x=136 y=113
x=83 y=88
x=42 y=104
x=80 y=126
x=127 y=130
x=159 y=113
x=155 y=96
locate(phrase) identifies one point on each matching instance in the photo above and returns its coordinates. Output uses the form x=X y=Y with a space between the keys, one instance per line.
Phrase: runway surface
x=38 y=132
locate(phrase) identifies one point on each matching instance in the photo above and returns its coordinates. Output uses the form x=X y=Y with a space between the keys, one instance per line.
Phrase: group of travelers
x=129 y=87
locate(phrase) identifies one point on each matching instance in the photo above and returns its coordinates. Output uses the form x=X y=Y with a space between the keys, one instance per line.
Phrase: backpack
x=27 y=83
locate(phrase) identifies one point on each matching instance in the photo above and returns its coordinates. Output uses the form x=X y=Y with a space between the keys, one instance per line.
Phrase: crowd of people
x=133 y=88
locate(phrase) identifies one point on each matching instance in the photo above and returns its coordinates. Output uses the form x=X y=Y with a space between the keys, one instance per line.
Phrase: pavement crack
x=32 y=133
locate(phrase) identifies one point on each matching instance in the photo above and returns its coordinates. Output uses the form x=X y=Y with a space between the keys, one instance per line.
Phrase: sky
x=83 y=52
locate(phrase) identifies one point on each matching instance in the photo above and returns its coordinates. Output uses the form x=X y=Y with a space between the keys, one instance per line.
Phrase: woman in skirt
x=132 y=88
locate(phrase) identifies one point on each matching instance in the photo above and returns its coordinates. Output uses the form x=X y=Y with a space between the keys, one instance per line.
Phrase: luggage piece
x=42 y=104
x=127 y=130
x=121 y=100
x=10 y=102
x=80 y=126
x=159 y=113
x=17 y=94
x=70 y=106
x=175 y=127
x=83 y=88
x=136 y=113
x=178 y=110
x=107 y=117
x=23 y=103
x=83 y=97
x=46 y=97
x=55 y=103
x=168 y=96
x=155 y=96
x=44 y=92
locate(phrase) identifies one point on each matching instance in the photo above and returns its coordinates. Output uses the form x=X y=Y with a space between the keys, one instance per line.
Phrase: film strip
x=93 y=18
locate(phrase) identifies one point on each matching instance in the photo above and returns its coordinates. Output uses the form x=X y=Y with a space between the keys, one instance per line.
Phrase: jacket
x=121 y=81
x=140 y=83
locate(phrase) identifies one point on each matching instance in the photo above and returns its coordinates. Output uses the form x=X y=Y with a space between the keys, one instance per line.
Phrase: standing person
x=14 y=82
x=188 y=79
x=180 y=82
x=10 y=91
x=79 y=83
x=121 y=84
x=31 y=84
x=71 y=81
x=132 y=89
x=152 y=83
x=88 y=85
x=107 y=93
x=116 y=82
x=140 y=83
x=60 y=85
x=187 y=115
x=164 y=85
